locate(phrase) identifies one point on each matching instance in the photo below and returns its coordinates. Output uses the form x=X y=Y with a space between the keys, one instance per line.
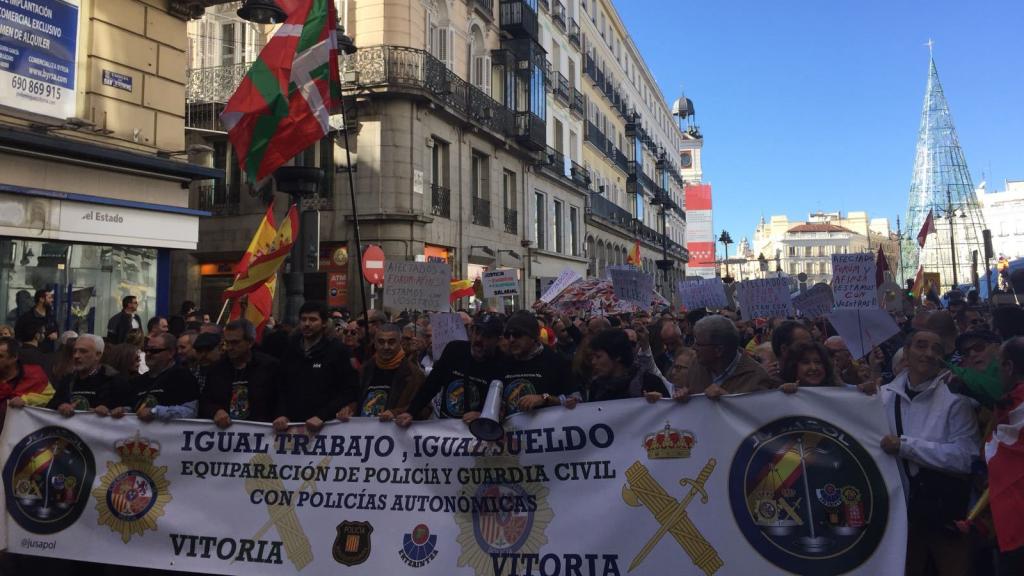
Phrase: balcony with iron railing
x=580 y=175
x=207 y=90
x=606 y=210
x=574 y=32
x=440 y=201
x=588 y=66
x=481 y=211
x=558 y=14
x=518 y=19
x=511 y=221
x=562 y=89
x=399 y=67
x=218 y=199
x=555 y=160
x=577 y=105
x=530 y=131
x=485 y=8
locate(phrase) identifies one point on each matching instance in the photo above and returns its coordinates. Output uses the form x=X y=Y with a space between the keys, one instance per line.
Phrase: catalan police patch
x=808 y=497
x=44 y=479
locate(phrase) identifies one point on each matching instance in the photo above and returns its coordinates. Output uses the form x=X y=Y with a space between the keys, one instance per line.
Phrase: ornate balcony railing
x=511 y=221
x=213 y=83
x=588 y=66
x=440 y=201
x=481 y=211
x=402 y=67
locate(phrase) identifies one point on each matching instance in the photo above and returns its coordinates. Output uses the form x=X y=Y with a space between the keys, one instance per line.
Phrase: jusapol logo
x=419 y=547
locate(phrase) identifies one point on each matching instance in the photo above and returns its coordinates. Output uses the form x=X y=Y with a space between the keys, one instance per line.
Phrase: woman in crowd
x=614 y=374
x=807 y=364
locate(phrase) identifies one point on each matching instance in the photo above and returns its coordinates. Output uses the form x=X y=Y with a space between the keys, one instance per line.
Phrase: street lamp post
x=726 y=239
x=762 y=263
x=300 y=182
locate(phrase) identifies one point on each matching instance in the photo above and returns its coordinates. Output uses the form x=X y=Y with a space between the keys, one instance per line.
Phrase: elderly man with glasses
x=722 y=367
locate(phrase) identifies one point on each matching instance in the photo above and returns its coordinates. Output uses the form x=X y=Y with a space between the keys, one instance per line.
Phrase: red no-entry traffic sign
x=373 y=265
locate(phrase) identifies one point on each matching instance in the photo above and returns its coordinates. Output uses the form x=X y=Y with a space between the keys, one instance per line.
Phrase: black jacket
x=246 y=394
x=457 y=383
x=316 y=382
x=633 y=384
x=89 y=392
x=379 y=391
x=35 y=355
x=172 y=387
x=119 y=325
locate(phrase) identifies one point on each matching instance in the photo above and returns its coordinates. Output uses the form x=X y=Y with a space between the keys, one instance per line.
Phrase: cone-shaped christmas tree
x=942 y=185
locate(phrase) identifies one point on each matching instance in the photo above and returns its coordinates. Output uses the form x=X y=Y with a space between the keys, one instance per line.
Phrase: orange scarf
x=394 y=363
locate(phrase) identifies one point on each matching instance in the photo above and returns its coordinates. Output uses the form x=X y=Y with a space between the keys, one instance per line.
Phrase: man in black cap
x=206 y=352
x=458 y=383
x=534 y=376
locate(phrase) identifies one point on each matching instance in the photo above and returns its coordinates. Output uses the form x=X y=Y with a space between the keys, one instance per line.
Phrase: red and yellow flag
x=460 y=289
x=633 y=258
x=266 y=259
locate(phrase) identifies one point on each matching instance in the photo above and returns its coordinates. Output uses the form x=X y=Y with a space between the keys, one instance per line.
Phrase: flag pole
x=348 y=47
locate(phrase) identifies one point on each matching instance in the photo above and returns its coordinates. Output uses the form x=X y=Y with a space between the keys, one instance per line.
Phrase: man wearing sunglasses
x=534 y=375
x=167 y=390
x=458 y=382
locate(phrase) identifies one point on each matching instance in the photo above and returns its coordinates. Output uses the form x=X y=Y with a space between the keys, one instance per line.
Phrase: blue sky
x=812 y=105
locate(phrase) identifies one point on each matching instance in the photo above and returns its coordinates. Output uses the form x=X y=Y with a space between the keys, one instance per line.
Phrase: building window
x=508 y=193
x=574 y=231
x=639 y=206
x=440 y=192
x=539 y=205
x=227 y=51
x=479 y=185
x=556 y=226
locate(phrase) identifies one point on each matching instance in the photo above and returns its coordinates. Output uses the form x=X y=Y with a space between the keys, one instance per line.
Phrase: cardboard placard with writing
x=567 y=278
x=853 y=281
x=765 y=298
x=706 y=293
x=501 y=282
x=815 y=302
x=416 y=285
x=446 y=327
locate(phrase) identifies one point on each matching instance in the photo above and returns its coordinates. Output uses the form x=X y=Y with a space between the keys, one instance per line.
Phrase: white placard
x=863 y=329
x=765 y=298
x=446 y=327
x=501 y=282
x=853 y=281
x=695 y=294
x=629 y=285
x=815 y=302
x=566 y=278
x=417 y=285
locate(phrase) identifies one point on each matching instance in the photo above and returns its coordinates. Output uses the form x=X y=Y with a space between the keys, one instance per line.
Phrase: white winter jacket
x=940 y=429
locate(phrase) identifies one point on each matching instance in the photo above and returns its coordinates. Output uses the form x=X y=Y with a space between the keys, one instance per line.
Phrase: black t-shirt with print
x=375 y=400
x=457 y=383
x=545 y=373
x=172 y=387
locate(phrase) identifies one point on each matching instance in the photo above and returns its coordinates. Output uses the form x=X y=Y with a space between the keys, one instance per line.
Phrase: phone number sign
x=38 y=51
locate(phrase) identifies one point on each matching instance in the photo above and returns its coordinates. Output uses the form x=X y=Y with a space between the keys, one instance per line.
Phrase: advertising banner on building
x=746 y=485
x=700 y=235
x=38 y=53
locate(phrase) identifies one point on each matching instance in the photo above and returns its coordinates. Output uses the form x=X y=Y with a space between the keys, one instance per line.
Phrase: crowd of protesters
x=949 y=382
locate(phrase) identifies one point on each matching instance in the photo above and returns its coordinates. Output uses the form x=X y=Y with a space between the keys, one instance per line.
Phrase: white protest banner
x=863 y=329
x=567 y=278
x=815 y=302
x=708 y=293
x=501 y=282
x=765 y=298
x=445 y=327
x=416 y=285
x=781 y=492
x=853 y=281
x=628 y=285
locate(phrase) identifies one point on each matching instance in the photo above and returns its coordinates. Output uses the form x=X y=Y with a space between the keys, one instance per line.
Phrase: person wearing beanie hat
x=458 y=383
x=534 y=376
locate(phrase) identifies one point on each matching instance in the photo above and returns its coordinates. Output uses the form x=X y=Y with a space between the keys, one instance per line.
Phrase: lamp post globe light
x=261 y=12
x=726 y=239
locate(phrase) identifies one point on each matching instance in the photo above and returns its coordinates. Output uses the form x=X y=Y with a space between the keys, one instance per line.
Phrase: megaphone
x=488 y=426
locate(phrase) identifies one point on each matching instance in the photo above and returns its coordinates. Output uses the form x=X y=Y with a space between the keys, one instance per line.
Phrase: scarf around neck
x=394 y=363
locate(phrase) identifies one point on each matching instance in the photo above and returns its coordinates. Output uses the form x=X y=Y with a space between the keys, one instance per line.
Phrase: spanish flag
x=634 y=255
x=257 y=304
x=918 y=283
x=460 y=289
x=266 y=260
